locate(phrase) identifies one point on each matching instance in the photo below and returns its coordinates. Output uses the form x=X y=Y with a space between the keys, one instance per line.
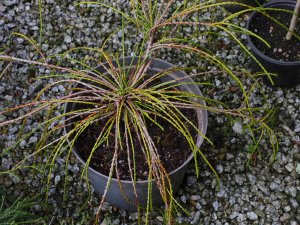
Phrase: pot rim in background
x=259 y=52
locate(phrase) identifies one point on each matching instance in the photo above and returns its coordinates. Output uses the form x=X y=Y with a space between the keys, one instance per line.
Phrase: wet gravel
x=260 y=193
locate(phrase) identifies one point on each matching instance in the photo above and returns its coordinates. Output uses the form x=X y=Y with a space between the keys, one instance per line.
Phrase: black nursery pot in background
x=287 y=69
x=237 y=8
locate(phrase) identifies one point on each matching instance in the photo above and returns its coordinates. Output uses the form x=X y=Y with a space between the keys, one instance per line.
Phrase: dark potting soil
x=172 y=148
x=274 y=34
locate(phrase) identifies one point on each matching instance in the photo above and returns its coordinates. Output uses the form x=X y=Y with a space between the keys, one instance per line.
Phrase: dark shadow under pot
x=283 y=57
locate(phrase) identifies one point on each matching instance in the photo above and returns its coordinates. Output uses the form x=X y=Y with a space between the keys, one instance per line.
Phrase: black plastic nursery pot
x=236 y=8
x=288 y=72
x=114 y=195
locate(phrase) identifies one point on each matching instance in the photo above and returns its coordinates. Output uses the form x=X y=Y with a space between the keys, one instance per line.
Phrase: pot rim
x=200 y=139
x=271 y=4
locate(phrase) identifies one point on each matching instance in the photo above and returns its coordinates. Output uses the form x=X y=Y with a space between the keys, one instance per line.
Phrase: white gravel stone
x=279 y=93
x=239 y=179
x=291 y=190
x=274 y=186
x=32 y=140
x=7 y=163
x=237 y=127
x=2 y=8
x=233 y=215
x=8 y=98
x=196 y=218
x=191 y=180
x=251 y=178
x=241 y=217
x=216 y=205
x=50 y=1
x=298 y=168
x=183 y=198
x=252 y=216
x=9 y=2
x=2 y=89
x=287 y=208
x=22 y=144
x=57 y=179
x=195 y=197
x=297 y=128
x=219 y=168
x=68 y=39
x=289 y=167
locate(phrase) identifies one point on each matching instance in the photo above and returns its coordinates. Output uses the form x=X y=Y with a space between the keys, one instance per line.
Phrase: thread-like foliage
x=17 y=211
x=126 y=97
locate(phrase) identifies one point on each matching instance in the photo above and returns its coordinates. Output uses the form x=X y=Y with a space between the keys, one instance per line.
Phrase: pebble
x=183 y=198
x=2 y=89
x=216 y=205
x=22 y=144
x=196 y=217
x=241 y=217
x=75 y=169
x=291 y=190
x=2 y=118
x=263 y=188
x=233 y=215
x=6 y=163
x=191 y=180
x=35 y=87
x=285 y=217
x=251 y=178
x=278 y=93
x=221 y=193
x=160 y=218
x=61 y=88
x=195 y=197
x=274 y=186
x=239 y=179
x=298 y=168
x=68 y=39
x=289 y=167
x=237 y=127
x=8 y=98
x=32 y=140
x=229 y=156
x=252 y=216
x=287 y=208
x=297 y=128
x=2 y=8
x=56 y=179
x=20 y=40
x=10 y=2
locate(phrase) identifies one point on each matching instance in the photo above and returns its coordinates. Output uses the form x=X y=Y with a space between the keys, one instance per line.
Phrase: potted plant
x=120 y=115
x=270 y=46
x=124 y=191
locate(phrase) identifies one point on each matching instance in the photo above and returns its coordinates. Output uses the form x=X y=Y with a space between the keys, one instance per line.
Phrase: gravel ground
x=257 y=194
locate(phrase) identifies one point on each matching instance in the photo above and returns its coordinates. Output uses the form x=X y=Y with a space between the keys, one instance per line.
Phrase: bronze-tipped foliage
x=127 y=99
